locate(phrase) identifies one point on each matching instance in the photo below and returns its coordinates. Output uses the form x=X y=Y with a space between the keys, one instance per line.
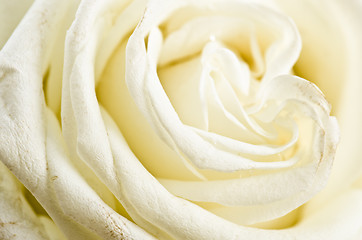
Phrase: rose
x=69 y=210
x=73 y=187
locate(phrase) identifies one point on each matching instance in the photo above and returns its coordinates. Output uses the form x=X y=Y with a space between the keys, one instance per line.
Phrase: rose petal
x=31 y=141
x=17 y=219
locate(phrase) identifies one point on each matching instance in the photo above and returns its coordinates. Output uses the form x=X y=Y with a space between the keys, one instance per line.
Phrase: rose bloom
x=180 y=119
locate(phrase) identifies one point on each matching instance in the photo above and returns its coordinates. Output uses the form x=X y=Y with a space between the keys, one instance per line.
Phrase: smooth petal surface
x=330 y=42
x=32 y=144
x=148 y=94
x=180 y=119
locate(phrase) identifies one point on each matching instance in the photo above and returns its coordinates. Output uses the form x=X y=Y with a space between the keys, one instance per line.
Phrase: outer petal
x=31 y=142
x=32 y=148
x=347 y=167
x=17 y=219
x=332 y=58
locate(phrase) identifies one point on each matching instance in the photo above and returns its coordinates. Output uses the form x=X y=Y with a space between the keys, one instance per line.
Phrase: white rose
x=177 y=119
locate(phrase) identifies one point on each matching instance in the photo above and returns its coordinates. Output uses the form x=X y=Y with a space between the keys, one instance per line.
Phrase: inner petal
x=182 y=84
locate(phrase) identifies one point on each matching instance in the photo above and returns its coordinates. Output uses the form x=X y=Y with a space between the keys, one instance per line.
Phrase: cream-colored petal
x=331 y=57
x=32 y=145
x=86 y=207
x=298 y=94
x=79 y=190
x=88 y=31
x=339 y=218
x=17 y=218
x=113 y=94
